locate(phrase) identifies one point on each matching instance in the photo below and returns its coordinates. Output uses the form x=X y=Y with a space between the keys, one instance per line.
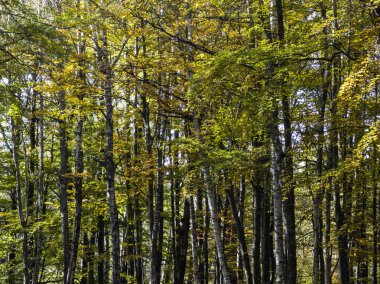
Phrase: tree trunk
x=136 y=207
x=109 y=160
x=215 y=223
x=205 y=248
x=374 y=216
x=158 y=227
x=40 y=195
x=181 y=248
x=91 y=258
x=63 y=180
x=241 y=236
x=318 y=261
x=78 y=180
x=130 y=231
x=343 y=265
x=289 y=200
x=266 y=232
x=276 y=161
x=16 y=160
x=258 y=192
x=101 y=250
x=85 y=259
x=326 y=77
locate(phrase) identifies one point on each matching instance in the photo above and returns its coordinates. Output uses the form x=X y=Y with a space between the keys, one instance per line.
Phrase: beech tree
x=189 y=141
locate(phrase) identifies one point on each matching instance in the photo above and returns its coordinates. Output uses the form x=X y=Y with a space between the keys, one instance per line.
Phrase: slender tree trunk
x=12 y=255
x=174 y=212
x=158 y=226
x=258 y=192
x=40 y=195
x=194 y=245
x=78 y=180
x=101 y=250
x=109 y=161
x=374 y=217
x=32 y=164
x=130 y=228
x=182 y=245
x=344 y=270
x=266 y=233
x=91 y=264
x=15 y=129
x=289 y=199
x=63 y=178
x=326 y=77
x=276 y=161
x=360 y=237
x=205 y=248
x=212 y=199
x=318 y=262
x=241 y=236
x=153 y=234
x=288 y=187
x=85 y=259
x=139 y=252
x=136 y=207
x=241 y=207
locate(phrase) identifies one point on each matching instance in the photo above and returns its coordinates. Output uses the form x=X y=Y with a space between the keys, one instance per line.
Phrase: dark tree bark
x=241 y=236
x=105 y=68
x=158 y=228
x=374 y=216
x=266 y=232
x=289 y=199
x=129 y=263
x=15 y=129
x=101 y=249
x=343 y=265
x=40 y=194
x=205 y=248
x=85 y=259
x=78 y=179
x=182 y=245
x=174 y=207
x=136 y=207
x=32 y=164
x=194 y=244
x=258 y=192
x=63 y=180
x=91 y=257
x=318 y=261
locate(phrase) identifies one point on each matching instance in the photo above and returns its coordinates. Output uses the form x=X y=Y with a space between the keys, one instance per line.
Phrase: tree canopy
x=189 y=141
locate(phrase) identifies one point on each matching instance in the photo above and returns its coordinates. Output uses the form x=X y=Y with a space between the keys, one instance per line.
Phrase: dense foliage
x=189 y=141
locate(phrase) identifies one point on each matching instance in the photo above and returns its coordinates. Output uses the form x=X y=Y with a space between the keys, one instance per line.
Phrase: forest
x=195 y=141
